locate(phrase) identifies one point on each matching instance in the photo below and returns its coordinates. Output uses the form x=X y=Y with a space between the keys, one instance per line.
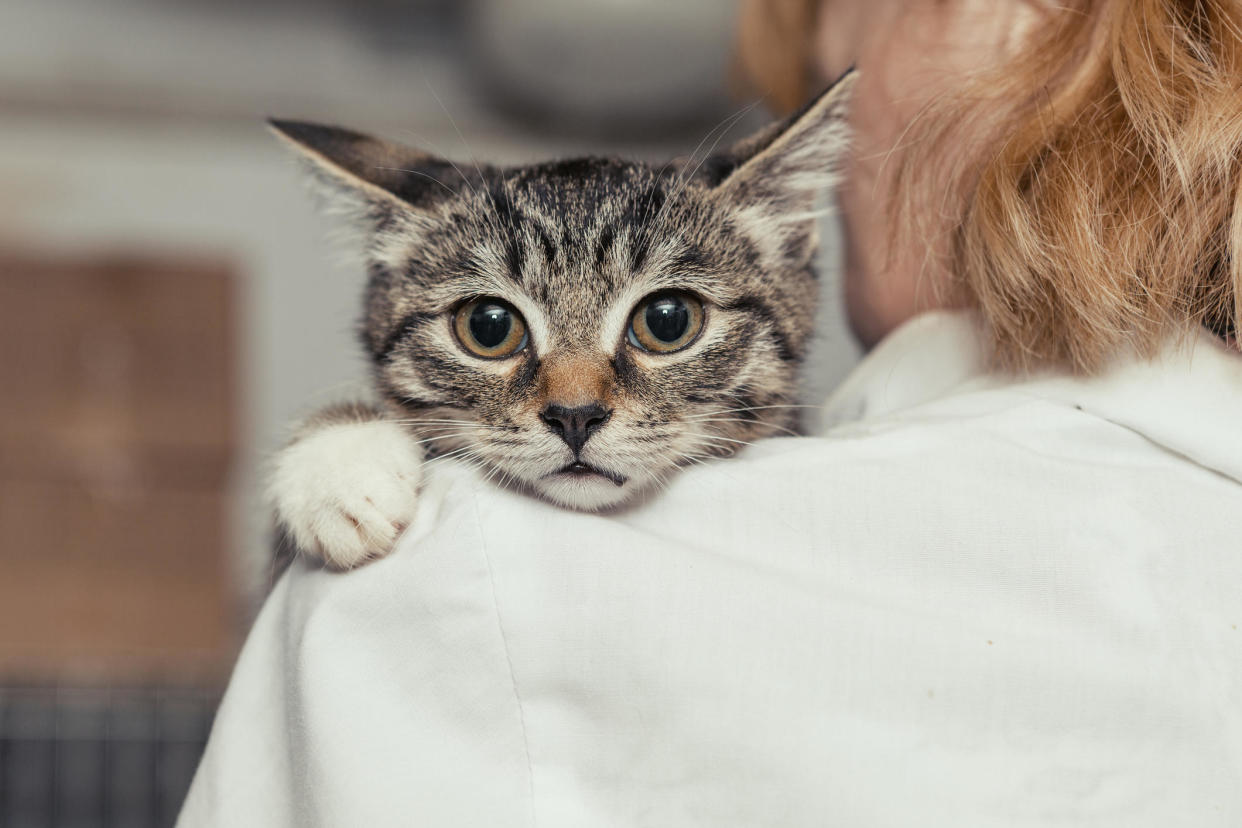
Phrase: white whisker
x=450 y=190
x=725 y=439
x=751 y=408
x=494 y=218
x=652 y=227
x=739 y=421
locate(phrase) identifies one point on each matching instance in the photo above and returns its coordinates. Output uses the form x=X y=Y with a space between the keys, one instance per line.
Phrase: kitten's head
x=583 y=328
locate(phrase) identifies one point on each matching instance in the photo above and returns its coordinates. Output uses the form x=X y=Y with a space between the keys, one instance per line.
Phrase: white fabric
x=972 y=602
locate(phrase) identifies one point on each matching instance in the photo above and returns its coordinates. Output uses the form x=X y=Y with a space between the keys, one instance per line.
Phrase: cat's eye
x=490 y=328
x=666 y=322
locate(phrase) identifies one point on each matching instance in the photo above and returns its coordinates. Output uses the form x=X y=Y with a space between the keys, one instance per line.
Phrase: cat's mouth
x=580 y=469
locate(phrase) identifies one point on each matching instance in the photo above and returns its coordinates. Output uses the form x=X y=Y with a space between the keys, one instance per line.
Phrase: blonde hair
x=1099 y=203
x=775 y=51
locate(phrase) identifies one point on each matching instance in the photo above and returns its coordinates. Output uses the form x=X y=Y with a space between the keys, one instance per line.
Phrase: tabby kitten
x=579 y=329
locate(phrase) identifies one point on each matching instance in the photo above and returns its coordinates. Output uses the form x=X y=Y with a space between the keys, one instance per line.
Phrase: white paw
x=345 y=492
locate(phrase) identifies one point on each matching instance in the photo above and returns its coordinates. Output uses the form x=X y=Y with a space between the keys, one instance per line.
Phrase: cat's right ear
x=369 y=178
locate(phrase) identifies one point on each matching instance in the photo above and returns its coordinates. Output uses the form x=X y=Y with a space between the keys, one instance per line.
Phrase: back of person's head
x=1086 y=194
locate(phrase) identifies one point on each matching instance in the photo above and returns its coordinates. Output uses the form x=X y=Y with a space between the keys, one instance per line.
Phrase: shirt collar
x=925 y=359
x=1187 y=399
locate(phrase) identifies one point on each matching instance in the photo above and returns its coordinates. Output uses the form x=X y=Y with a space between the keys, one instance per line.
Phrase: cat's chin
x=586 y=492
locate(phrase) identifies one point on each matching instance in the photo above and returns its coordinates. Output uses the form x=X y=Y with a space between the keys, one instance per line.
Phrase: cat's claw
x=345 y=492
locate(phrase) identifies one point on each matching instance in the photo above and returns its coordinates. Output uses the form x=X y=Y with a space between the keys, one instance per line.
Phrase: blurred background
x=169 y=302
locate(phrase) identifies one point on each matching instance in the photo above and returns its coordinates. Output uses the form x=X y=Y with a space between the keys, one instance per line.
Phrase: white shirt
x=973 y=601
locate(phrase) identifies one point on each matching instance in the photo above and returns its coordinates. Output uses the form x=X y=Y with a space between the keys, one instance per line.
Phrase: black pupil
x=490 y=324
x=667 y=318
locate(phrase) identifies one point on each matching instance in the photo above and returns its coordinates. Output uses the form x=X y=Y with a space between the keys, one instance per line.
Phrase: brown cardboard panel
x=119 y=369
x=118 y=412
x=115 y=587
x=153 y=293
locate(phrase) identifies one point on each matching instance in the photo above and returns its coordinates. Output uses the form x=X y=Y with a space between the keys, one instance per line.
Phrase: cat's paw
x=344 y=492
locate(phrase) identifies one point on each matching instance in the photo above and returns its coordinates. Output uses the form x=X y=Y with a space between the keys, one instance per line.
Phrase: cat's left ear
x=787 y=165
x=369 y=178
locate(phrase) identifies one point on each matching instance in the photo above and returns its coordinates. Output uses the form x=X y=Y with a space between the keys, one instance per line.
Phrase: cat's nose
x=575 y=425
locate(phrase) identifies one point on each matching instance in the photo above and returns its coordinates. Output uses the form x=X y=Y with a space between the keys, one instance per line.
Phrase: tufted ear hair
x=368 y=178
x=786 y=165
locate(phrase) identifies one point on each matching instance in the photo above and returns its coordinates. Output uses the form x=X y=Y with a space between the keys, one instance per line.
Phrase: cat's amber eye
x=666 y=322
x=490 y=328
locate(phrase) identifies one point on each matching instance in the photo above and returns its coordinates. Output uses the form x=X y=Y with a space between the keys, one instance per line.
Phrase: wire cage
x=99 y=758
